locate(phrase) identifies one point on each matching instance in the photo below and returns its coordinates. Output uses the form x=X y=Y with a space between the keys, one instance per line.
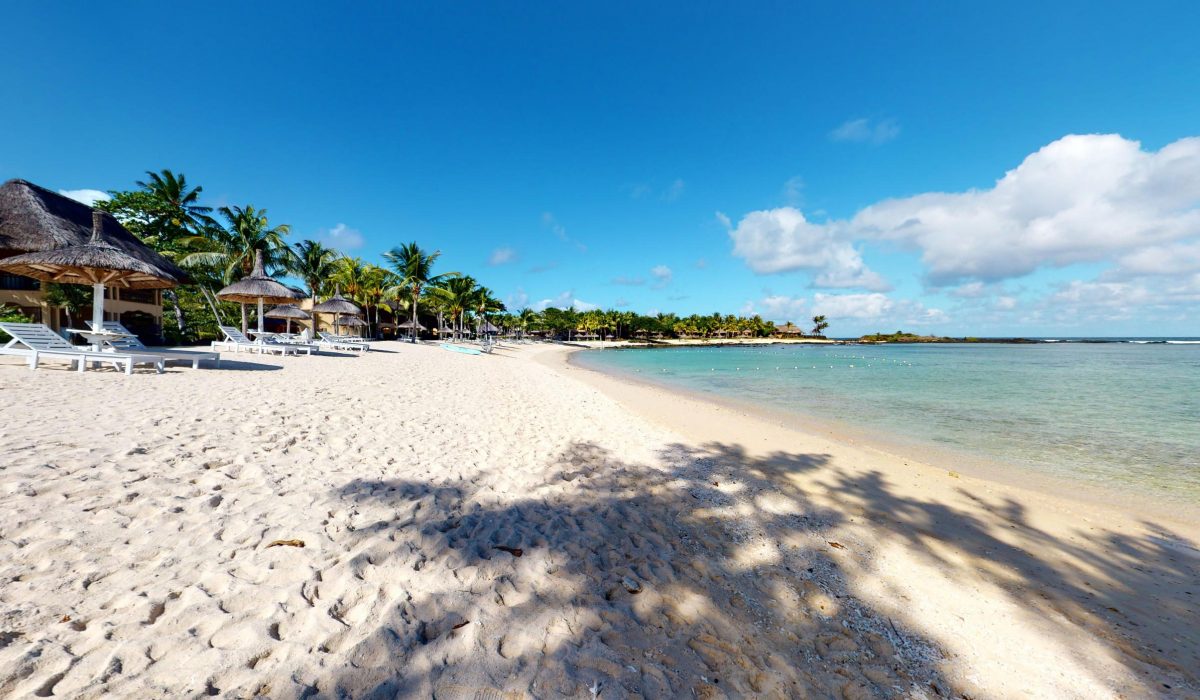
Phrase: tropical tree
x=373 y=286
x=231 y=250
x=314 y=264
x=72 y=298
x=163 y=213
x=819 y=325
x=414 y=267
x=178 y=212
x=484 y=303
x=457 y=295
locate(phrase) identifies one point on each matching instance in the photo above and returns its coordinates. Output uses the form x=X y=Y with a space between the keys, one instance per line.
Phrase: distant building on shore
x=788 y=330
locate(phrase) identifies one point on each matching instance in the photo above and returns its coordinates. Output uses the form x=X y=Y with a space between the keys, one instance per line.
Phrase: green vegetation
x=9 y=314
x=166 y=213
x=904 y=337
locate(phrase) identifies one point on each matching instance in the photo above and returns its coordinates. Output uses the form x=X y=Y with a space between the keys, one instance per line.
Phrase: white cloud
x=662 y=276
x=1080 y=199
x=970 y=290
x=544 y=267
x=518 y=299
x=781 y=308
x=793 y=191
x=674 y=191
x=341 y=237
x=873 y=306
x=670 y=193
x=1176 y=259
x=864 y=306
x=864 y=131
x=628 y=281
x=621 y=302
x=782 y=240
x=500 y=256
x=1113 y=295
x=560 y=231
x=1083 y=199
x=88 y=197
x=565 y=300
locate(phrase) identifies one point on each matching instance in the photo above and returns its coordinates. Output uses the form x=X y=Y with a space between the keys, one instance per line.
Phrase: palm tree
x=819 y=325
x=526 y=318
x=231 y=250
x=458 y=295
x=414 y=267
x=175 y=214
x=314 y=264
x=485 y=303
x=374 y=285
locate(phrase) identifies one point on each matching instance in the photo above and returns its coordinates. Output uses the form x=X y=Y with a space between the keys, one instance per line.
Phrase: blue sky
x=949 y=168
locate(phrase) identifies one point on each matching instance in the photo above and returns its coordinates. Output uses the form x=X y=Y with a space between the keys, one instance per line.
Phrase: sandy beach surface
x=421 y=523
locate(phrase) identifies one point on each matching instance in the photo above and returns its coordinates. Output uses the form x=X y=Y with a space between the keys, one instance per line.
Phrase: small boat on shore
x=459 y=348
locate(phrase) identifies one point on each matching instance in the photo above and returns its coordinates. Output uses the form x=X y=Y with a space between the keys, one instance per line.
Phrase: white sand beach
x=508 y=526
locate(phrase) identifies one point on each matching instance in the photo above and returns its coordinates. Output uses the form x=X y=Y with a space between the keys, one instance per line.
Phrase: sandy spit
x=506 y=526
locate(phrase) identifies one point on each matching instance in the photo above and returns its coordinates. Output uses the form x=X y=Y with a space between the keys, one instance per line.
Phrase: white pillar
x=260 y=317
x=97 y=310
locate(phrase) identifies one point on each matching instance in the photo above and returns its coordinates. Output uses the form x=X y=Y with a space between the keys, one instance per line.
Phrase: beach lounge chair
x=345 y=342
x=278 y=339
x=132 y=344
x=237 y=341
x=40 y=342
x=323 y=344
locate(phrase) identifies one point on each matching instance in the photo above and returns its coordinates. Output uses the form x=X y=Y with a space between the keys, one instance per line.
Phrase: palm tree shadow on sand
x=715 y=576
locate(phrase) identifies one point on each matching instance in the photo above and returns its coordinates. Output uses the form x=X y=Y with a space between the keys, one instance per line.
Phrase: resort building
x=33 y=218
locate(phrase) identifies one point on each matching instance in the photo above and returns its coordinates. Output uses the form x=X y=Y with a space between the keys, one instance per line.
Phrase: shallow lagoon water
x=1120 y=414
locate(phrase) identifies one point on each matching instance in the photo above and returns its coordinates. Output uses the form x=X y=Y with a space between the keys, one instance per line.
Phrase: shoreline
x=1180 y=510
x=412 y=522
x=1062 y=577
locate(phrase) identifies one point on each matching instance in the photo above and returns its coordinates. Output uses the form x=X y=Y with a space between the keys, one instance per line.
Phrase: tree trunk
x=413 y=320
x=174 y=299
x=245 y=322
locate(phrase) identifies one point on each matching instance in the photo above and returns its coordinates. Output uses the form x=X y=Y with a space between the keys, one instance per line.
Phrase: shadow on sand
x=715 y=576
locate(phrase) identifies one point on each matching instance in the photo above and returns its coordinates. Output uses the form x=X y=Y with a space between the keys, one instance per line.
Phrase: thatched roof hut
x=259 y=287
x=34 y=219
x=337 y=304
x=288 y=311
x=788 y=329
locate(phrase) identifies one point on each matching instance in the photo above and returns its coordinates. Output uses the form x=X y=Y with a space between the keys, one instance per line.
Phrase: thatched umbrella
x=258 y=287
x=289 y=311
x=338 y=306
x=409 y=324
x=354 y=322
x=97 y=262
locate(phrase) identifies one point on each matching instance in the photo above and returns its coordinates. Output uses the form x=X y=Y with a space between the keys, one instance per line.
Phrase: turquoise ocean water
x=1124 y=414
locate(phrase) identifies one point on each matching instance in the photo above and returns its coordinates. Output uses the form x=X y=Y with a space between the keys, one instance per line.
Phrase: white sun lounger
x=345 y=343
x=237 y=341
x=132 y=344
x=40 y=342
x=331 y=341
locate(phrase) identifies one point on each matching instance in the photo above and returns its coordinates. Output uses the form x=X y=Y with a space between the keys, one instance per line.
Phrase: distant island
x=905 y=337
